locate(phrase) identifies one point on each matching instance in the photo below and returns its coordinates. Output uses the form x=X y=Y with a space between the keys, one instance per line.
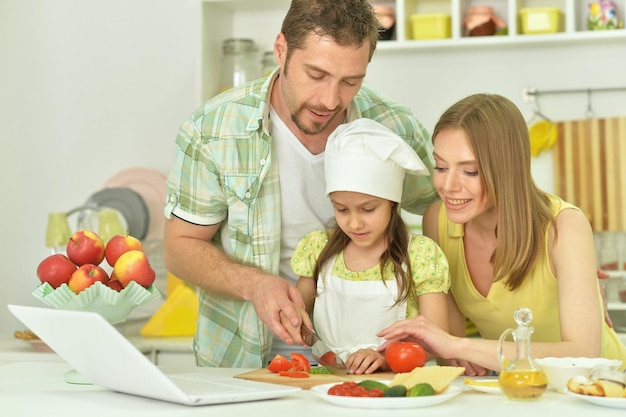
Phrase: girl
x=368 y=271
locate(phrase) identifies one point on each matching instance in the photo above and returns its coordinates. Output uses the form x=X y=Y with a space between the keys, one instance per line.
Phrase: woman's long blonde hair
x=498 y=135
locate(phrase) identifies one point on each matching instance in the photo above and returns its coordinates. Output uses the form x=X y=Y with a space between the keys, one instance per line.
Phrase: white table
x=38 y=389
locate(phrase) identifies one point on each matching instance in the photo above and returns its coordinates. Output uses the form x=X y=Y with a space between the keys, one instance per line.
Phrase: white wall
x=433 y=80
x=88 y=88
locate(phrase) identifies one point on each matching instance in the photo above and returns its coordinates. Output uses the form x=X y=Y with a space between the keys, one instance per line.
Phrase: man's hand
x=280 y=306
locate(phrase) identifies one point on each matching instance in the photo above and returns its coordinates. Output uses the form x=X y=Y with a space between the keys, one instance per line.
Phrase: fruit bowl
x=114 y=306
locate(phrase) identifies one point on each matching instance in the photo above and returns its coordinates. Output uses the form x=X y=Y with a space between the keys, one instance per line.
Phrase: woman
x=509 y=245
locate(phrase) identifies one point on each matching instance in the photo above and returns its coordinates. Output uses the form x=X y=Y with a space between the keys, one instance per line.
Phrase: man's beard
x=317 y=127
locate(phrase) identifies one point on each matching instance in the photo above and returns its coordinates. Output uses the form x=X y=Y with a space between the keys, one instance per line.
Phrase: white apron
x=348 y=314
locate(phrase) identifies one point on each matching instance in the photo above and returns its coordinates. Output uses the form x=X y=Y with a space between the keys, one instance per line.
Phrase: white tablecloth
x=39 y=389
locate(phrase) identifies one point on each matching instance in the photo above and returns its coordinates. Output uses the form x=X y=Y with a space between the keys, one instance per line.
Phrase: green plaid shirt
x=223 y=171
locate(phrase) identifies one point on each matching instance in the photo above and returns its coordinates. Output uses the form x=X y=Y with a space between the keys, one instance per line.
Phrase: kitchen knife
x=322 y=353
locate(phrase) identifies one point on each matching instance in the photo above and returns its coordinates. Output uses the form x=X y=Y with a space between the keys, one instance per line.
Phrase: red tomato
x=351 y=389
x=299 y=362
x=279 y=363
x=405 y=356
x=329 y=358
x=294 y=374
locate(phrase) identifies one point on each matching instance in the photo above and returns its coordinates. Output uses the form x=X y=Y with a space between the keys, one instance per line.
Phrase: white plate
x=602 y=401
x=129 y=203
x=151 y=184
x=483 y=385
x=384 y=402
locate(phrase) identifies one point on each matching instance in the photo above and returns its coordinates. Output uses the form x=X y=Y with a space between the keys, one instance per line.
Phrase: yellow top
x=493 y=314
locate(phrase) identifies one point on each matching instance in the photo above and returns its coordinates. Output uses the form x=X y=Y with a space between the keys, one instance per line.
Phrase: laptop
x=103 y=356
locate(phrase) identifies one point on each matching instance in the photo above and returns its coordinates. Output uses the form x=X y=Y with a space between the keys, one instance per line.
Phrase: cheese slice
x=439 y=377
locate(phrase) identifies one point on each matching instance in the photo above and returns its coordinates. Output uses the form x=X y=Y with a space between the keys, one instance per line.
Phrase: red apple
x=115 y=284
x=85 y=247
x=85 y=276
x=56 y=270
x=134 y=266
x=118 y=245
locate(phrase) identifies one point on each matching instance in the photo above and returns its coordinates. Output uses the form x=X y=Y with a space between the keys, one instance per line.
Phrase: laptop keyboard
x=198 y=388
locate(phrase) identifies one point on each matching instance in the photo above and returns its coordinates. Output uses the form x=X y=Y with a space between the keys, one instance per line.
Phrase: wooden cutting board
x=264 y=375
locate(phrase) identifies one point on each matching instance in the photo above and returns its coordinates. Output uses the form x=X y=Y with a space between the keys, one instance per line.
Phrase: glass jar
x=482 y=21
x=609 y=256
x=268 y=64
x=239 y=63
x=521 y=379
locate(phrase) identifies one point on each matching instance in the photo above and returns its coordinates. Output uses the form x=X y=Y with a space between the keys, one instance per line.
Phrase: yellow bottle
x=521 y=379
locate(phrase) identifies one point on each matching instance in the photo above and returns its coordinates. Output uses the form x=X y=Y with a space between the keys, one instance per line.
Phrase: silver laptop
x=102 y=355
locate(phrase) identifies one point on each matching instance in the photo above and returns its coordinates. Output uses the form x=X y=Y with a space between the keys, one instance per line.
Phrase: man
x=248 y=179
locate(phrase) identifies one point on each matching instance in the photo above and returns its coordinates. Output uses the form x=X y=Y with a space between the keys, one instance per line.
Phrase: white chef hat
x=366 y=157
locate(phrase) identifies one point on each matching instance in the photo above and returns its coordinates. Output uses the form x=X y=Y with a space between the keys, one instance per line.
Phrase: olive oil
x=525 y=384
x=521 y=379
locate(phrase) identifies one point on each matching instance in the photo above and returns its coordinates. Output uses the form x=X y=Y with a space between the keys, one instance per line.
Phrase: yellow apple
x=118 y=245
x=85 y=276
x=85 y=247
x=134 y=266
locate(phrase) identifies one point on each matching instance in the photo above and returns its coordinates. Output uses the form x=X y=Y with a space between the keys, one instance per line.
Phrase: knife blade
x=322 y=353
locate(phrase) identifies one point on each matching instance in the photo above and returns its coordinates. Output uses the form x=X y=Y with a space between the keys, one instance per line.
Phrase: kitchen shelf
x=555 y=39
x=261 y=19
x=574 y=14
x=616 y=306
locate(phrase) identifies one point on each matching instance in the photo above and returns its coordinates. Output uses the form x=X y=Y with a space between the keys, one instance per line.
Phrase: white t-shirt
x=304 y=205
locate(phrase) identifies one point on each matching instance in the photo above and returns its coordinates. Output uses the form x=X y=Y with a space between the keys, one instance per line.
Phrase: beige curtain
x=590 y=169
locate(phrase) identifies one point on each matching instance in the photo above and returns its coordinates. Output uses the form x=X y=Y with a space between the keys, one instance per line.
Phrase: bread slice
x=439 y=377
x=598 y=388
x=582 y=385
x=611 y=389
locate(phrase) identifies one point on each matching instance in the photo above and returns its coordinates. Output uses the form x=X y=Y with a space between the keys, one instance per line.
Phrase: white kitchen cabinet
x=172 y=358
x=261 y=20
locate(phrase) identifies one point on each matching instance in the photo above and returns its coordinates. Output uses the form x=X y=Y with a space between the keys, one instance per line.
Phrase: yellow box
x=541 y=20
x=430 y=26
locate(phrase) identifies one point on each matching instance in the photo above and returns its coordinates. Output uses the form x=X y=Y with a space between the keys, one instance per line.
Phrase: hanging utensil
x=542 y=132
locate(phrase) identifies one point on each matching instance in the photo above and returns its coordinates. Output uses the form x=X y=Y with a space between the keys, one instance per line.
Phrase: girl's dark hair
x=397 y=236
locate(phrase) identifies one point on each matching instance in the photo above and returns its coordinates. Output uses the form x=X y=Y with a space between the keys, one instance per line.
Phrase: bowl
x=114 y=306
x=561 y=370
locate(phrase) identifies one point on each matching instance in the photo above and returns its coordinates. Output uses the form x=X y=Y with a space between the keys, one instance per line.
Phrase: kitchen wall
x=89 y=88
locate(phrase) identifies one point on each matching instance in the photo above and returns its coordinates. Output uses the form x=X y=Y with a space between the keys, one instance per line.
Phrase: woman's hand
x=471 y=369
x=419 y=329
x=451 y=350
x=366 y=361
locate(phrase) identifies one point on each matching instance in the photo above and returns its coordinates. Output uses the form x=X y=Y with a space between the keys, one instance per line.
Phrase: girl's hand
x=366 y=361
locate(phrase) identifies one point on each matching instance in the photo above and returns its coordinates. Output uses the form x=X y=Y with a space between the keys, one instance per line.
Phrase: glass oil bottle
x=521 y=379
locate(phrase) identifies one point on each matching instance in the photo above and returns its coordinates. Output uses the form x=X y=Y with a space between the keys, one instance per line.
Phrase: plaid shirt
x=223 y=171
